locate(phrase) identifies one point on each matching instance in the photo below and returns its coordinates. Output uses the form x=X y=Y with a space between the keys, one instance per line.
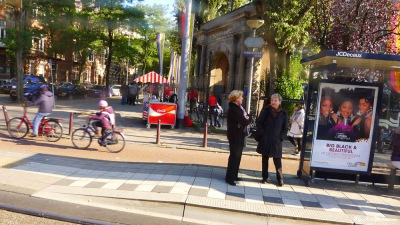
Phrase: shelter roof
x=345 y=59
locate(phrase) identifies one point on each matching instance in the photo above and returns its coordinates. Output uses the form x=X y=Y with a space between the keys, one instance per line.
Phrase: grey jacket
x=45 y=102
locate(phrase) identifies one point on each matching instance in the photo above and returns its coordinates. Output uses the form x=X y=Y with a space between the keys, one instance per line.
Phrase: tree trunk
x=272 y=72
x=109 y=57
x=280 y=63
x=287 y=63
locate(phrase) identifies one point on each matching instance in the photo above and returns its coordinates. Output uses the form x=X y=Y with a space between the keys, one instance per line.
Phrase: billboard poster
x=344 y=127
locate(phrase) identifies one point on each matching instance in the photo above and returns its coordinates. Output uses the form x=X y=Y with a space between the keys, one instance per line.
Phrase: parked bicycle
x=385 y=142
x=50 y=128
x=113 y=139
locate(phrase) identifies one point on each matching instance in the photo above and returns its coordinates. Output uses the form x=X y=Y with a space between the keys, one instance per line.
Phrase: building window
x=38 y=44
x=75 y=73
x=41 y=68
x=2 y=29
x=32 y=67
x=75 y=56
x=91 y=57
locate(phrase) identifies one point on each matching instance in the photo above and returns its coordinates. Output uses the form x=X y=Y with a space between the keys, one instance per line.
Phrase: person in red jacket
x=212 y=103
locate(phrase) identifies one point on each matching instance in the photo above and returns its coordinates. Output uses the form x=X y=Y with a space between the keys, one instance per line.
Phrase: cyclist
x=46 y=105
x=104 y=119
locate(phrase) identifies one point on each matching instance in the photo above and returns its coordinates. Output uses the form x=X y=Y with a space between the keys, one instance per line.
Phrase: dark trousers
x=212 y=115
x=278 y=168
x=216 y=119
x=296 y=142
x=235 y=156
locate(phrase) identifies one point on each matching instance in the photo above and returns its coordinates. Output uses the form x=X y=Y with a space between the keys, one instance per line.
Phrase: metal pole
x=249 y=91
x=185 y=67
x=158 y=132
x=205 y=136
x=6 y=115
x=71 y=123
x=208 y=90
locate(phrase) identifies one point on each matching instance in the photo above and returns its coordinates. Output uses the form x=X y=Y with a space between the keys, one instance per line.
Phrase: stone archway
x=219 y=73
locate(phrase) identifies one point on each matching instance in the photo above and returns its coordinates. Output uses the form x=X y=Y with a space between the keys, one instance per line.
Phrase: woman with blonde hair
x=237 y=124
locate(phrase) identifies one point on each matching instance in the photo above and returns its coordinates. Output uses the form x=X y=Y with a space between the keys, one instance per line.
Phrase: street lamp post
x=253 y=24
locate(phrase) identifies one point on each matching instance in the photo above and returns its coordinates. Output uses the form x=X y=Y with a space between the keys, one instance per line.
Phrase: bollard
x=205 y=135
x=158 y=132
x=6 y=114
x=71 y=123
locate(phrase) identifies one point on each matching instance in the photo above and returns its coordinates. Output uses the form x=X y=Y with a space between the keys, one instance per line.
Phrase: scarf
x=246 y=128
x=275 y=111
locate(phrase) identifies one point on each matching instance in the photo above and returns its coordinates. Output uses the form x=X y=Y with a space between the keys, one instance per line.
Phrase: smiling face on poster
x=343 y=132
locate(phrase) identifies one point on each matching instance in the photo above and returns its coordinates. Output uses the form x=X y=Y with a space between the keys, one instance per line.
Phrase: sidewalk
x=189 y=192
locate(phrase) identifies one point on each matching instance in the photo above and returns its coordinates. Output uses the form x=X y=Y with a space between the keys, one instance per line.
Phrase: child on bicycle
x=104 y=119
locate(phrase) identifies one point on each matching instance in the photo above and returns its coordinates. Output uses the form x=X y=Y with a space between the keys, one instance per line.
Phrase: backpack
x=201 y=107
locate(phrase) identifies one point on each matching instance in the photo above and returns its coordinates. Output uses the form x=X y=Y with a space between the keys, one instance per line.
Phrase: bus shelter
x=352 y=105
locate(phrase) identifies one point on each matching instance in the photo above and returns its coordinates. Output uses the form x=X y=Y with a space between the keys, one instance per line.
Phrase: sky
x=168 y=3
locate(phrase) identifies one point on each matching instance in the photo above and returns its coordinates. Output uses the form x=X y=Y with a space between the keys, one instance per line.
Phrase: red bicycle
x=50 y=128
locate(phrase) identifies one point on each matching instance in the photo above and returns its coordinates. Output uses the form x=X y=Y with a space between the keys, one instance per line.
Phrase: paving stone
x=64 y=182
x=273 y=200
x=198 y=192
x=254 y=199
x=95 y=184
x=390 y=213
x=162 y=189
x=349 y=209
x=127 y=187
x=311 y=205
x=292 y=203
x=331 y=207
x=235 y=196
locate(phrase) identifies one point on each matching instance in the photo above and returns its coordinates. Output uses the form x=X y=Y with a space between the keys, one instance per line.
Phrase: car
x=71 y=91
x=97 y=91
x=31 y=91
x=114 y=90
x=27 y=79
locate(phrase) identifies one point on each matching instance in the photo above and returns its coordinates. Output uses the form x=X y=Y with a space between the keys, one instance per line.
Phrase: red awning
x=152 y=77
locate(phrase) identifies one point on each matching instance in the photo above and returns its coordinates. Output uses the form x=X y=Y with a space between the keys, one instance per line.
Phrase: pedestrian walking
x=272 y=126
x=396 y=148
x=212 y=103
x=124 y=93
x=132 y=93
x=295 y=133
x=218 y=112
x=237 y=128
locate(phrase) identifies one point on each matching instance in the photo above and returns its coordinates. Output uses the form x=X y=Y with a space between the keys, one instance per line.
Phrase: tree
x=284 y=30
x=154 y=22
x=111 y=16
x=55 y=19
x=358 y=25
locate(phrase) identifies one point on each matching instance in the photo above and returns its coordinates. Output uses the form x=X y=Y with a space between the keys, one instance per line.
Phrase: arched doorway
x=219 y=73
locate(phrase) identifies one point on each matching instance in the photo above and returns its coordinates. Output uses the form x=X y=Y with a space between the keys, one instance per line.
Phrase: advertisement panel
x=344 y=127
x=165 y=112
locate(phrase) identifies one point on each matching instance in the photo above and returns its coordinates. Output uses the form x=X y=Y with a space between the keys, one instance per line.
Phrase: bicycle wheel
x=81 y=138
x=115 y=142
x=17 y=127
x=52 y=131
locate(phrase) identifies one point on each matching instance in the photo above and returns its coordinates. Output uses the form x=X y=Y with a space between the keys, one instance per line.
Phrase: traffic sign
x=254 y=42
x=252 y=54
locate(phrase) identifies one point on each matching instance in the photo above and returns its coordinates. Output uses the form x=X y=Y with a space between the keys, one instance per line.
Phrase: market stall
x=153 y=109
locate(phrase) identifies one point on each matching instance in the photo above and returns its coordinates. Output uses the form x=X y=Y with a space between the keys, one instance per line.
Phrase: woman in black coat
x=272 y=126
x=237 y=121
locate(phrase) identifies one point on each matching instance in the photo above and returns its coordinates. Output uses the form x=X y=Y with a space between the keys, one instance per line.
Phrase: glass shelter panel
x=353 y=76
